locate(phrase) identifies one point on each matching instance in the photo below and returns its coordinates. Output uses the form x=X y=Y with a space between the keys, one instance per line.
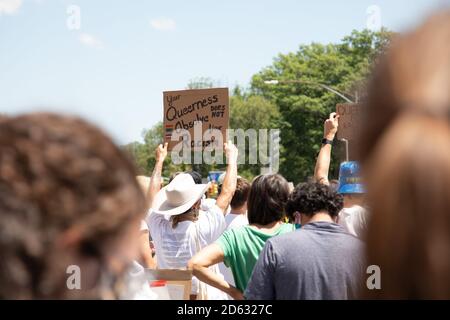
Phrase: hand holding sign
x=231 y=152
x=330 y=126
x=161 y=152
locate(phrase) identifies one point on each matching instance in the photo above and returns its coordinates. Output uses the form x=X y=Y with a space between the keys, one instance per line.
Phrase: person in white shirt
x=237 y=217
x=188 y=229
x=354 y=219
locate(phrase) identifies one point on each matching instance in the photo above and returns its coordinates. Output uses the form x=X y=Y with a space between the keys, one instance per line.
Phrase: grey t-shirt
x=319 y=261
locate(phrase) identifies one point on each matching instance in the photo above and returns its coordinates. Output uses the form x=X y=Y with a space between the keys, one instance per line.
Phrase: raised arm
x=156 y=178
x=324 y=158
x=146 y=251
x=207 y=257
x=229 y=183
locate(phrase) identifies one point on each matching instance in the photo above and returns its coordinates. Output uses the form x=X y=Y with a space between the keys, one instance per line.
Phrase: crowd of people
x=70 y=197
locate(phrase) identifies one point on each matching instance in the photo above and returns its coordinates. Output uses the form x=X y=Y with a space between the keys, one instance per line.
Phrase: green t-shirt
x=241 y=248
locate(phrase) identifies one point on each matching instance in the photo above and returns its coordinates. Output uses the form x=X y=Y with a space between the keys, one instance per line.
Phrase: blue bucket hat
x=349 y=178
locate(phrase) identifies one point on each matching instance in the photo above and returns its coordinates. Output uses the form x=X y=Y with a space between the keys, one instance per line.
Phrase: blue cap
x=349 y=178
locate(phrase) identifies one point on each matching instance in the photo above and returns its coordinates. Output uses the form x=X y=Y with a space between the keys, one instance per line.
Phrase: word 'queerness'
x=172 y=113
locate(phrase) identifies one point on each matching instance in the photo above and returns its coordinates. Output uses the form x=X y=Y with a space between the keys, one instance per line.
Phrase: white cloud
x=163 y=24
x=10 y=6
x=90 y=41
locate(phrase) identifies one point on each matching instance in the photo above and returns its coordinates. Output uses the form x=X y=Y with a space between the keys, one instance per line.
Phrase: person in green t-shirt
x=239 y=248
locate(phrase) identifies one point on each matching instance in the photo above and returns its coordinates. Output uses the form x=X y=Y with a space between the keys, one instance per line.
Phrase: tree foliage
x=252 y=112
x=295 y=106
x=303 y=107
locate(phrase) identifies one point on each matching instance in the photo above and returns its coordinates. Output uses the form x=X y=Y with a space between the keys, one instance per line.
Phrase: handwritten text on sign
x=184 y=108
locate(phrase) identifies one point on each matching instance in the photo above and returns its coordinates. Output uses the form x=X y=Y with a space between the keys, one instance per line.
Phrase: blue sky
x=113 y=69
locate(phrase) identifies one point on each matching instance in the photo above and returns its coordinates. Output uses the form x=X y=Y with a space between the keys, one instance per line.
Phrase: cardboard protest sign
x=210 y=107
x=170 y=284
x=349 y=124
x=349 y=120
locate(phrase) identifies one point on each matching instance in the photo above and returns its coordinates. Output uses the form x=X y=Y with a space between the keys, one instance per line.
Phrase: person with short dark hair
x=69 y=204
x=238 y=207
x=239 y=248
x=319 y=261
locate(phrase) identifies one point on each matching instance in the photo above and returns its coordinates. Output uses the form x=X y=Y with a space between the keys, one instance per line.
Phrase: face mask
x=297 y=220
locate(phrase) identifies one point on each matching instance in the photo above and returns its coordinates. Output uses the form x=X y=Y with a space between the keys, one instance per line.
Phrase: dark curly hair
x=59 y=173
x=312 y=197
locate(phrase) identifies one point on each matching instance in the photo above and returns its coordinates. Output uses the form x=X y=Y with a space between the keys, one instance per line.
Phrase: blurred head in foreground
x=70 y=208
x=405 y=154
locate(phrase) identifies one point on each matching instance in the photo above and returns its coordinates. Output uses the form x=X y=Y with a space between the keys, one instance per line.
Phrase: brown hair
x=267 y=199
x=405 y=152
x=240 y=196
x=57 y=174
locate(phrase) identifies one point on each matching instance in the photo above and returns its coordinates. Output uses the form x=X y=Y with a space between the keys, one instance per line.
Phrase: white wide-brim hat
x=178 y=196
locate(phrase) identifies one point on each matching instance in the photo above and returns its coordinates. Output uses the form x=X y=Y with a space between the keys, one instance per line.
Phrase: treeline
x=296 y=104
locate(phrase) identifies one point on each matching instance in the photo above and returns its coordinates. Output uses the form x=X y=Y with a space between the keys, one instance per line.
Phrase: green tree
x=246 y=112
x=252 y=112
x=143 y=154
x=303 y=107
x=298 y=110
